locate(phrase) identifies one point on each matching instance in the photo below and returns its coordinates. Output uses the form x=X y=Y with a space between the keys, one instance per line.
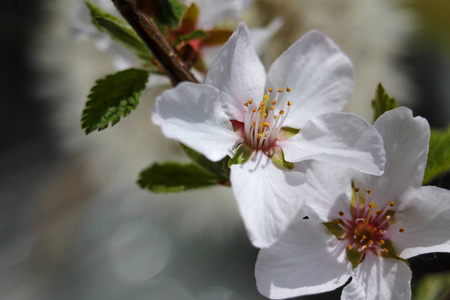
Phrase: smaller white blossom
x=367 y=233
x=239 y=104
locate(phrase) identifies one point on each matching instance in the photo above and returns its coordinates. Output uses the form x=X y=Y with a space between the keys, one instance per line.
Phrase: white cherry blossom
x=305 y=88
x=391 y=218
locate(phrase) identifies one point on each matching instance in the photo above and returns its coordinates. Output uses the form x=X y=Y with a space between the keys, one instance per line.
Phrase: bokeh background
x=73 y=223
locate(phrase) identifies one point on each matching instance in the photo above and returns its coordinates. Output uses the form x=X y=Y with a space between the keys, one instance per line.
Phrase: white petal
x=259 y=36
x=320 y=74
x=214 y=11
x=306 y=260
x=238 y=73
x=406 y=144
x=327 y=190
x=191 y=114
x=267 y=198
x=426 y=225
x=379 y=278
x=340 y=138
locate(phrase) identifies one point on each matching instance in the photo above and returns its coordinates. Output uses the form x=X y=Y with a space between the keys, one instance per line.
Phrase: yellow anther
x=372 y=205
x=368 y=192
x=280 y=90
x=401 y=230
x=266 y=124
x=289 y=103
x=274 y=116
x=356 y=190
x=364 y=237
x=270 y=90
x=380 y=231
x=391 y=203
x=259 y=136
x=265 y=135
x=364 y=248
x=281 y=112
x=261 y=104
x=381 y=242
x=254 y=109
x=378 y=211
x=246 y=104
x=254 y=123
x=250 y=101
x=370 y=242
x=273 y=102
x=288 y=89
x=272 y=107
x=385 y=250
x=265 y=115
x=341 y=213
x=388 y=218
x=356 y=232
x=336 y=222
x=374 y=229
x=349 y=247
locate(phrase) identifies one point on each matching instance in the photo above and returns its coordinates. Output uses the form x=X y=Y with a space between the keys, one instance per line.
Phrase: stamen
x=281 y=112
x=385 y=250
x=349 y=247
x=391 y=203
x=280 y=90
x=341 y=213
x=401 y=230
x=288 y=89
x=250 y=101
x=270 y=90
x=289 y=103
x=382 y=242
x=273 y=102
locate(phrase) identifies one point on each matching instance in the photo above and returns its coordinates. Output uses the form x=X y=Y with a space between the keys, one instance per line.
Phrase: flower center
x=263 y=121
x=365 y=229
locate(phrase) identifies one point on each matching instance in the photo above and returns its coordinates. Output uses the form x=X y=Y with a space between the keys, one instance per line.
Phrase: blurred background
x=73 y=222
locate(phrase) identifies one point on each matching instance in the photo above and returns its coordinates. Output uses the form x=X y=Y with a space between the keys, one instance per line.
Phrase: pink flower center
x=264 y=120
x=365 y=228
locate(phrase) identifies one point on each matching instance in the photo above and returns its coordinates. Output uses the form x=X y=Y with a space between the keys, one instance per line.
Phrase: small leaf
x=169 y=12
x=242 y=154
x=334 y=228
x=278 y=158
x=354 y=256
x=173 y=177
x=382 y=102
x=438 y=155
x=119 y=31
x=190 y=17
x=217 y=37
x=194 y=35
x=219 y=169
x=113 y=97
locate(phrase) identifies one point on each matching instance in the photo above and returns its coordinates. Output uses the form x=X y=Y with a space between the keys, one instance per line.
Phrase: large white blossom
x=305 y=88
x=390 y=218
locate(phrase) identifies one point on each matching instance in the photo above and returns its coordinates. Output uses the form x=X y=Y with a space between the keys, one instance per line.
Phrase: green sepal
x=219 y=169
x=354 y=256
x=335 y=229
x=288 y=132
x=217 y=37
x=194 y=35
x=382 y=102
x=113 y=97
x=242 y=154
x=439 y=155
x=173 y=177
x=278 y=158
x=391 y=252
x=119 y=31
x=191 y=17
x=169 y=13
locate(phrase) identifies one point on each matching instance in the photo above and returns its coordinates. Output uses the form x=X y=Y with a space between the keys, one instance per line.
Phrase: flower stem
x=156 y=42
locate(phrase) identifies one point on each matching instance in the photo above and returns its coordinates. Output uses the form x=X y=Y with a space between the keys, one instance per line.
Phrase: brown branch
x=156 y=42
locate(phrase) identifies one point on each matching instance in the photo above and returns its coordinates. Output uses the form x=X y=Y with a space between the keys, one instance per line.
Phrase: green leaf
x=334 y=228
x=173 y=177
x=119 y=31
x=382 y=102
x=113 y=97
x=190 y=17
x=170 y=13
x=278 y=158
x=242 y=154
x=219 y=169
x=194 y=35
x=433 y=287
x=438 y=155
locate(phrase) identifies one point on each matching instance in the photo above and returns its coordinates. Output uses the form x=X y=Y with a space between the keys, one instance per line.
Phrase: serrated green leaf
x=382 y=102
x=113 y=97
x=242 y=154
x=119 y=31
x=219 y=169
x=173 y=177
x=438 y=155
x=278 y=158
x=170 y=13
x=334 y=228
x=194 y=35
